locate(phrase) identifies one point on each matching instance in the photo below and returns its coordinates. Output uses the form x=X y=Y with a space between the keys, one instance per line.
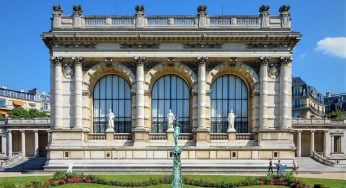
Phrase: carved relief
x=138 y=46
x=273 y=70
x=75 y=45
x=203 y=45
x=266 y=46
x=67 y=70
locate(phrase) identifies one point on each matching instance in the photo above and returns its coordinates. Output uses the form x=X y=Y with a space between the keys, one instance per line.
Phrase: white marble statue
x=110 y=120
x=231 y=118
x=70 y=166
x=170 y=119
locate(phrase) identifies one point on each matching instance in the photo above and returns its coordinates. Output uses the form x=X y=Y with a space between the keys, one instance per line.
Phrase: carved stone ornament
x=284 y=8
x=139 y=46
x=202 y=59
x=273 y=71
x=233 y=62
x=264 y=8
x=202 y=10
x=264 y=60
x=139 y=8
x=75 y=45
x=203 y=45
x=285 y=60
x=57 y=10
x=56 y=59
x=171 y=61
x=77 y=10
x=266 y=46
x=140 y=60
x=67 y=71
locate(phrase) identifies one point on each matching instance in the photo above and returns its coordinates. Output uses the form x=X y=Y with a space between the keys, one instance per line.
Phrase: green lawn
x=22 y=180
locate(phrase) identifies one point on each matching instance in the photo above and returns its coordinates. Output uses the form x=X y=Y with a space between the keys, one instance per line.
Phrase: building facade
x=201 y=67
x=336 y=102
x=307 y=102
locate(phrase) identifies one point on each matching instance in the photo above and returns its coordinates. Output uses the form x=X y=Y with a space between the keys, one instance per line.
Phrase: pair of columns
x=9 y=142
x=285 y=91
x=312 y=143
x=57 y=91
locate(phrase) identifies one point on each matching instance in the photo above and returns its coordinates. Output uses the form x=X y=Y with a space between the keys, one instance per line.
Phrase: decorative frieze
x=266 y=46
x=203 y=45
x=139 y=46
x=75 y=45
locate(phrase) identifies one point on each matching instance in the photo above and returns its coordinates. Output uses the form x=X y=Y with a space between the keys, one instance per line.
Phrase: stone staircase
x=307 y=164
x=25 y=164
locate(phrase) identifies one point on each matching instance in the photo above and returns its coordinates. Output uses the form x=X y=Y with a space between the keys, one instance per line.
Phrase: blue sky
x=319 y=58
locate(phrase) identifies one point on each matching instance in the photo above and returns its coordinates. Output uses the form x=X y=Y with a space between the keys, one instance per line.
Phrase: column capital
x=140 y=60
x=264 y=60
x=285 y=60
x=56 y=59
x=35 y=130
x=202 y=59
x=22 y=131
x=299 y=130
x=77 y=60
x=312 y=131
x=9 y=131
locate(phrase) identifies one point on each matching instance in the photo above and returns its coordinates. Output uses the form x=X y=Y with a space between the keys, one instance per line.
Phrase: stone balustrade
x=28 y=122
x=317 y=122
x=78 y=20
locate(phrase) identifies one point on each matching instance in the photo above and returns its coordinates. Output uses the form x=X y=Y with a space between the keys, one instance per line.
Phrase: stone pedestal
x=202 y=136
x=231 y=134
x=170 y=137
x=141 y=136
x=110 y=134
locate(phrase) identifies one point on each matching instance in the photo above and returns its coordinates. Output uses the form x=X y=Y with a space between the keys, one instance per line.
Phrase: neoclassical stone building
x=139 y=67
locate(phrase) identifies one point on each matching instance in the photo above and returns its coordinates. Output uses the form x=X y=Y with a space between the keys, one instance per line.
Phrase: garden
x=80 y=180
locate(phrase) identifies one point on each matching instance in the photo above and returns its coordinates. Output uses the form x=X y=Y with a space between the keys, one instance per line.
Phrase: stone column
x=202 y=136
x=285 y=94
x=141 y=133
x=312 y=142
x=9 y=142
x=264 y=92
x=326 y=145
x=57 y=105
x=201 y=92
x=299 y=143
x=23 y=141
x=4 y=144
x=36 y=142
x=78 y=98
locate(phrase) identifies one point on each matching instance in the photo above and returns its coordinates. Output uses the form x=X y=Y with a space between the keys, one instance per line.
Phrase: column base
x=202 y=137
x=231 y=134
x=141 y=136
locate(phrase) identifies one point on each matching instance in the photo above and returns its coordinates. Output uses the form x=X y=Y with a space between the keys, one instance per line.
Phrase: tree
x=338 y=115
x=27 y=114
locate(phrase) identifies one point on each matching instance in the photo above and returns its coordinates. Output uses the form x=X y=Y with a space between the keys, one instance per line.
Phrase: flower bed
x=61 y=178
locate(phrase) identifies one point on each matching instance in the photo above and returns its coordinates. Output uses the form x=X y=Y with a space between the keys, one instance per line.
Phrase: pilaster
x=285 y=94
x=57 y=105
x=264 y=92
x=78 y=98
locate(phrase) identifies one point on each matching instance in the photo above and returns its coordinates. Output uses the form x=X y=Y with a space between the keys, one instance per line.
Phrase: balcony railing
x=123 y=136
x=186 y=136
x=244 y=136
x=157 y=136
x=97 y=136
x=218 y=136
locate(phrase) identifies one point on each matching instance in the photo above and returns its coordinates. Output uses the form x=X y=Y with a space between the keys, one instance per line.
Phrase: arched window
x=112 y=92
x=228 y=93
x=170 y=92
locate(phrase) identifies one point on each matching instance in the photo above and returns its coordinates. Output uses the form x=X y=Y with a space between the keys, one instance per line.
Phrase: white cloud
x=335 y=46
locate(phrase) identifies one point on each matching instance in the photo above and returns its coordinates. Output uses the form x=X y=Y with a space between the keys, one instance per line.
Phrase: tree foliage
x=26 y=114
x=338 y=115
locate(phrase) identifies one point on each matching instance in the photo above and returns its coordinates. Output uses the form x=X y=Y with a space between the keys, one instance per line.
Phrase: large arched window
x=228 y=93
x=112 y=92
x=170 y=92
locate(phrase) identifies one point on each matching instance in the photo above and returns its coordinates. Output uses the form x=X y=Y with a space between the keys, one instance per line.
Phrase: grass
x=22 y=180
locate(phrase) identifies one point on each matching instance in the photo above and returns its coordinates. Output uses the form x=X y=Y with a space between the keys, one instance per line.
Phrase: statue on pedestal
x=177 y=181
x=230 y=119
x=111 y=117
x=170 y=119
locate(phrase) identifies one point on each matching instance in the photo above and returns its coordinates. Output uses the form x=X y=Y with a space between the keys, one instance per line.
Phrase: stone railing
x=97 y=136
x=321 y=159
x=157 y=136
x=201 y=20
x=318 y=122
x=122 y=136
x=244 y=136
x=186 y=136
x=16 y=156
x=218 y=136
x=31 y=122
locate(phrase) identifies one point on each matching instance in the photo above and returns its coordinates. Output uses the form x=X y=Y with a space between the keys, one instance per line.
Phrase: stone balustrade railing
x=23 y=122
x=202 y=20
x=218 y=136
x=321 y=159
x=318 y=122
x=157 y=136
x=97 y=136
x=122 y=136
x=244 y=136
x=185 y=136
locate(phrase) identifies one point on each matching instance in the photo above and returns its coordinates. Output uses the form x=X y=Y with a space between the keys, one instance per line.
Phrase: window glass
x=112 y=92
x=228 y=93
x=170 y=92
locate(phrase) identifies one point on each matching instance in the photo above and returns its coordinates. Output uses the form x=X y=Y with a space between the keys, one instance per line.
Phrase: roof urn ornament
x=264 y=8
x=202 y=10
x=77 y=10
x=284 y=8
x=57 y=10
